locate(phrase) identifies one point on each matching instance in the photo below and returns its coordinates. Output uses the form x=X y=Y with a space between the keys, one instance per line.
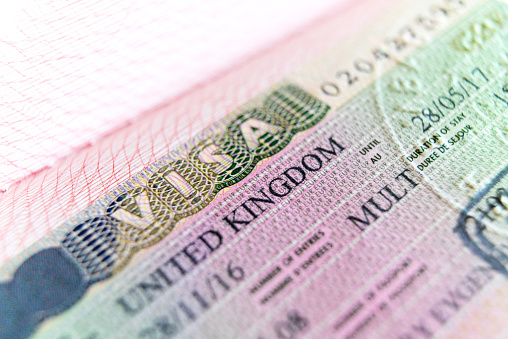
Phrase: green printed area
x=446 y=105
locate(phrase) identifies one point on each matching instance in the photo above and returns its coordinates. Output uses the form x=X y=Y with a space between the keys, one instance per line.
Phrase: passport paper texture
x=31 y=208
x=75 y=72
x=362 y=196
